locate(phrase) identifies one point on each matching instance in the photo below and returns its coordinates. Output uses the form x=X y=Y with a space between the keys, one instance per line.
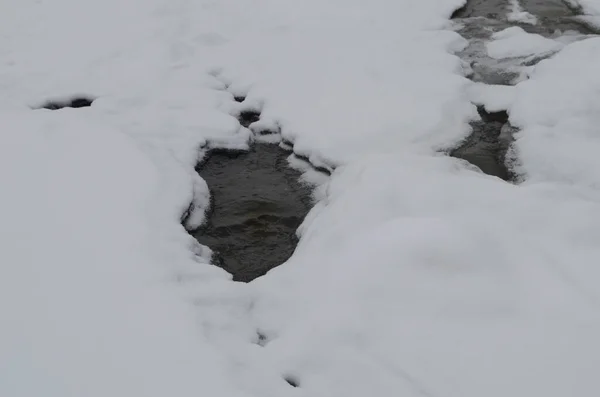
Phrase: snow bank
x=98 y=276
x=514 y=42
x=379 y=81
x=448 y=284
x=558 y=112
x=85 y=306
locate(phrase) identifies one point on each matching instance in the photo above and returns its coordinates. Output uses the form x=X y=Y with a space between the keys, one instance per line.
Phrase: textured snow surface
x=415 y=274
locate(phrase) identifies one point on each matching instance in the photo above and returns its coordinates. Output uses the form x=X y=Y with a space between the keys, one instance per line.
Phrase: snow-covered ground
x=415 y=275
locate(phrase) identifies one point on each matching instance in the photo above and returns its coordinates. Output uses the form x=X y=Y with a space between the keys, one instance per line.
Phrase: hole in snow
x=239 y=98
x=75 y=102
x=498 y=117
x=258 y=203
x=248 y=117
x=292 y=380
x=261 y=339
x=486 y=147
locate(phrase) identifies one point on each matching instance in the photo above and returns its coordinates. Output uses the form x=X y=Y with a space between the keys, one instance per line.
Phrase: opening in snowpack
x=75 y=102
x=257 y=204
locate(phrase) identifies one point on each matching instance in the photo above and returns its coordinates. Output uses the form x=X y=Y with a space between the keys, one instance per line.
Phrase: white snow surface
x=591 y=7
x=558 y=112
x=493 y=97
x=515 y=42
x=415 y=274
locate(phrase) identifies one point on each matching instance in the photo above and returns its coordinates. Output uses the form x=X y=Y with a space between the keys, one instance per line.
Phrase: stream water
x=477 y=21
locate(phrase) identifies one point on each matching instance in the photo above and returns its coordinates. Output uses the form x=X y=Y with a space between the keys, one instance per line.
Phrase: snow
x=515 y=42
x=517 y=14
x=590 y=10
x=494 y=98
x=414 y=275
x=84 y=304
x=591 y=7
x=557 y=110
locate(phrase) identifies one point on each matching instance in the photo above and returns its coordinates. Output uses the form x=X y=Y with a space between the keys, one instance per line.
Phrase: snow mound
x=493 y=97
x=515 y=42
x=559 y=113
x=447 y=280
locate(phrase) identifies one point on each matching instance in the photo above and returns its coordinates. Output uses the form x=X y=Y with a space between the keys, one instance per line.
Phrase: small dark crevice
x=248 y=117
x=76 y=102
x=459 y=12
x=239 y=98
x=186 y=214
x=292 y=380
x=265 y=132
x=498 y=117
x=261 y=339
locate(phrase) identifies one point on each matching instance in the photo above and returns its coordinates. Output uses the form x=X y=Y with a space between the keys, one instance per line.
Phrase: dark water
x=257 y=205
x=488 y=144
x=490 y=138
x=75 y=102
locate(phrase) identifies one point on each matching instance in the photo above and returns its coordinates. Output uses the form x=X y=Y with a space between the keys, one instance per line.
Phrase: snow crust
x=415 y=274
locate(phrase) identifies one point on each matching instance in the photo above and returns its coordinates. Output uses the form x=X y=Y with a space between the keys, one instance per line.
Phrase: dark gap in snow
x=481 y=8
x=75 y=102
x=459 y=12
x=266 y=132
x=239 y=98
x=498 y=117
x=248 y=117
x=258 y=202
x=261 y=339
x=486 y=148
x=292 y=380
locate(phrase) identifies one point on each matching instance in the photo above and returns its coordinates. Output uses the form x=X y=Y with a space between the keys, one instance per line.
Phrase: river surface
x=487 y=145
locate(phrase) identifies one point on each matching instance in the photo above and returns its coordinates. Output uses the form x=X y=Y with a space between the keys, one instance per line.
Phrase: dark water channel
x=477 y=21
x=258 y=203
